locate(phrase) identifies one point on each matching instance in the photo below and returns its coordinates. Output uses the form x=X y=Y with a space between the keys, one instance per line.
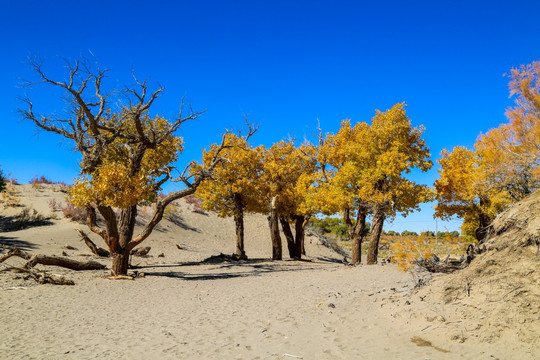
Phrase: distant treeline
x=334 y=226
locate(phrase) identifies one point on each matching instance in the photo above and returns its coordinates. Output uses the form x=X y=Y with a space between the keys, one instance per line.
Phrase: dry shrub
x=74 y=213
x=54 y=205
x=9 y=197
x=12 y=180
x=171 y=211
x=40 y=180
x=408 y=250
x=196 y=203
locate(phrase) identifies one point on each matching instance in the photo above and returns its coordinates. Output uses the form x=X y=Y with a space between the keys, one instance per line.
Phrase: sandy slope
x=258 y=309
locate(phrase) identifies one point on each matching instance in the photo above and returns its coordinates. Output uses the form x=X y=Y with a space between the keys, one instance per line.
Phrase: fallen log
x=35 y=259
x=63 y=262
x=93 y=247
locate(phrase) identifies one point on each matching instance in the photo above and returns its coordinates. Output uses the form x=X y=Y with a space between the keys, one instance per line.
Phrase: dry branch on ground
x=35 y=259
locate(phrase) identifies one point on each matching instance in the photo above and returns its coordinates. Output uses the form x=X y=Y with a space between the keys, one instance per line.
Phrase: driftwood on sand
x=42 y=277
x=35 y=259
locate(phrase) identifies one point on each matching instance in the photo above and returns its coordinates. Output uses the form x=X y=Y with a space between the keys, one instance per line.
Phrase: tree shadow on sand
x=14 y=242
x=178 y=221
x=228 y=269
x=24 y=220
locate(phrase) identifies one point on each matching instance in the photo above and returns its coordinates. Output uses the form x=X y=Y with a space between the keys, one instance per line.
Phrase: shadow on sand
x=178 y=221
x=14 y=242
x=227 y=269
x=22 y=221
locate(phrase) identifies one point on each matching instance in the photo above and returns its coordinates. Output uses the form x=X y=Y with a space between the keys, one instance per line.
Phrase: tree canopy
x=126 y=156
x=503 y=167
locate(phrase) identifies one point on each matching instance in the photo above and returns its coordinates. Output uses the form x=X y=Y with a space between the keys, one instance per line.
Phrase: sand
x=184 y=308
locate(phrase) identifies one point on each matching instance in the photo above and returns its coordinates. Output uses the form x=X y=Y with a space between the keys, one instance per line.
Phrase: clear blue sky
x=285 y=63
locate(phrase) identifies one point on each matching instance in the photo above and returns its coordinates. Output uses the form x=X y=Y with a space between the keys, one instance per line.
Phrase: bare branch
x=92 y=224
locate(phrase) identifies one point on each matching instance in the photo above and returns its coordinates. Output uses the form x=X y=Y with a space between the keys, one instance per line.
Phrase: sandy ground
x=258 y=309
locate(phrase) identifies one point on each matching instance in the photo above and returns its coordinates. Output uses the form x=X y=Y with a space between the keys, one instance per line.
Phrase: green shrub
x=3 y=181
x=333 y=226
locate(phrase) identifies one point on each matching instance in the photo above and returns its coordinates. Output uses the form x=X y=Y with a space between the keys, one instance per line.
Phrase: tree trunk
x=291 y=245
x=356 y=232
x=299 y=230
x=483 y=224
x=356 y=249
x=239 y=226
x=376 y=230
x=121 y=252
x=274 y=231
x=120 y=263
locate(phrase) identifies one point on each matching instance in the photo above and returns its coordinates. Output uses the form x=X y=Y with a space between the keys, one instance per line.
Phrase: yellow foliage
x=405 y=251
x=511 y=153
x=287 y=172
x=365 y=165
x=236 y=174
x=117 y=181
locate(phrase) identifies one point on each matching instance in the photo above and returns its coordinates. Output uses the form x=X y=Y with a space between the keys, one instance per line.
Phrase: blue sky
x=285 y=63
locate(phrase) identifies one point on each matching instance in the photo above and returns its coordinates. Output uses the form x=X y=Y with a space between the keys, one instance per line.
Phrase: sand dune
x=257 y=309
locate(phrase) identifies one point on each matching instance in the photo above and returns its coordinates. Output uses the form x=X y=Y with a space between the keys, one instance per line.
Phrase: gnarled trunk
x=123 y=247
x=356 y=232
x=118 y=235
x=120 y=263
x=376 y=230
x=291 y=245
x=483 y=225
x=274 y=231
x=295 y=242
x=239 y=226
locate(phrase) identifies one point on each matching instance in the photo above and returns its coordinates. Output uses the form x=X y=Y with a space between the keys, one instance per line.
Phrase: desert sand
x=186 y=308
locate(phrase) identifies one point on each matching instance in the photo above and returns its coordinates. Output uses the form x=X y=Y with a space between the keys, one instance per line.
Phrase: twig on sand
x=293 y=356
x=505 y=295
x=15 y=288
x=121 y=277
